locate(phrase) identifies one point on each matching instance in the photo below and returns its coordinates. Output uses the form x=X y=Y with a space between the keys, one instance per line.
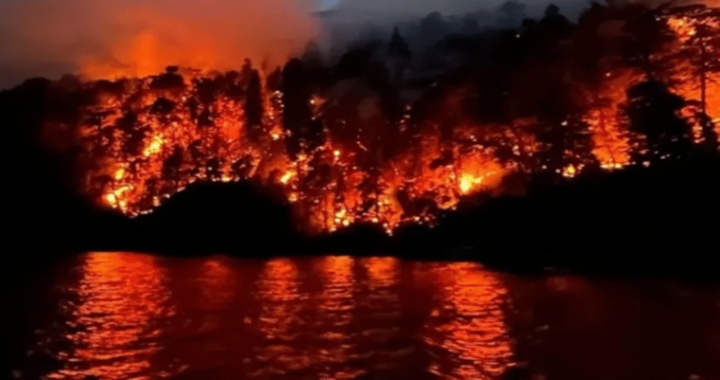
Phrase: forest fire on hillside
x=358 y=155
x=150 y=142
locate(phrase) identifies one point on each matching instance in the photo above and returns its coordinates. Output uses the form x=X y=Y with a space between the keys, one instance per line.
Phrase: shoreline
x=635 y=222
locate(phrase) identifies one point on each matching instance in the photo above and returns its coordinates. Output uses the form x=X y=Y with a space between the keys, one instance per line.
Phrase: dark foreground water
x=136 y=316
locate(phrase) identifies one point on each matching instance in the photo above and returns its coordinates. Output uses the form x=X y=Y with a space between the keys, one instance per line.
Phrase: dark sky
x=423 y=7
x=419 y=8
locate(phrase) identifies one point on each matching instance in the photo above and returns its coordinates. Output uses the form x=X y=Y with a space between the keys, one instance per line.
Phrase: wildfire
x=150 y=138
x=153 y=143
x=145 y=139
x=688 y=78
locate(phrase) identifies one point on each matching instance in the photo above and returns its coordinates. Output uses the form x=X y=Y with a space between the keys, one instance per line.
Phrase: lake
x=138 y=316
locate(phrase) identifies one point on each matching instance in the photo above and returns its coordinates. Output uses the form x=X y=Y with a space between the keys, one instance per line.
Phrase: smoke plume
x=108 y=39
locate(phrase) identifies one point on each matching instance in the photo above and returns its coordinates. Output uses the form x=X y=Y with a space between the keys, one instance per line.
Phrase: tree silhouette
x=590 y=47
x=554 y=25
x=563 y=136
x=398 y=48
x=653 y=111
x=647 y=36
x=254 y=107
x=312 y=56
x=246 y=73
x=510 y=14
x=169 y=80
x=354 y=62
x=296 y=100
x=432 y=28
x=399 y=52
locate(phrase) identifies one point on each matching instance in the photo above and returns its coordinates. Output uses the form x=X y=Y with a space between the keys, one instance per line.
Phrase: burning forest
x=392 y=133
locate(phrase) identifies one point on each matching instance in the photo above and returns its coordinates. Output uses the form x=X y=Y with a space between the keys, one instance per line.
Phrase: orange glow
x=337 y=274
x=609 y=131
x=279 y=320
x=382 y=271
x=154 y=146
x=135 y=38
x=467 y=182
x=336 y=307
x=286 y=177
x=688 y=84
x=122 y=297
x=476 y=335
x=278 y=291
x=218 y=283
x=569 y=171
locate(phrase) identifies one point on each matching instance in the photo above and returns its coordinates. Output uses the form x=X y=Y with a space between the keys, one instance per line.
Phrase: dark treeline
x=536 y=93
x=552 y=71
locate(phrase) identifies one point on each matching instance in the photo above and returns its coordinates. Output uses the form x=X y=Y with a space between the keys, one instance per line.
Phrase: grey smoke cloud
x=418 y=7
x=350 y=22
x=446 y=7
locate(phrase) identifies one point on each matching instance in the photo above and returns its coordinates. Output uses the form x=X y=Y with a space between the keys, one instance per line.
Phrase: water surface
x=137 y=316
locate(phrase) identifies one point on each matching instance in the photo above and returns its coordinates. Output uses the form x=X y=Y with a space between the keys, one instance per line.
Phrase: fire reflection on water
x=381 y=302
x=468 y=324
x=279 y=320
x=336 y=318
x=218 y=283
x=382 y=271
x=115 y=325
x=278 y=292
x=335 y=312
x=131 y=316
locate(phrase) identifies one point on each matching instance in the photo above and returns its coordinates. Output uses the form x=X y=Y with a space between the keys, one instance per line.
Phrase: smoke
x=112 y=38
x=419 y=7
x=353 y=21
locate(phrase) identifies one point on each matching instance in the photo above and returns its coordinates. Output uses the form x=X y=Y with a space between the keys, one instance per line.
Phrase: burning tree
x=698 y=47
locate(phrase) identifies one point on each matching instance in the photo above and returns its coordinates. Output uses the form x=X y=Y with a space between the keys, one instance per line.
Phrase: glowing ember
x=286 y=177
x=154 y=146
x=569 y=171
x=468 y=182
